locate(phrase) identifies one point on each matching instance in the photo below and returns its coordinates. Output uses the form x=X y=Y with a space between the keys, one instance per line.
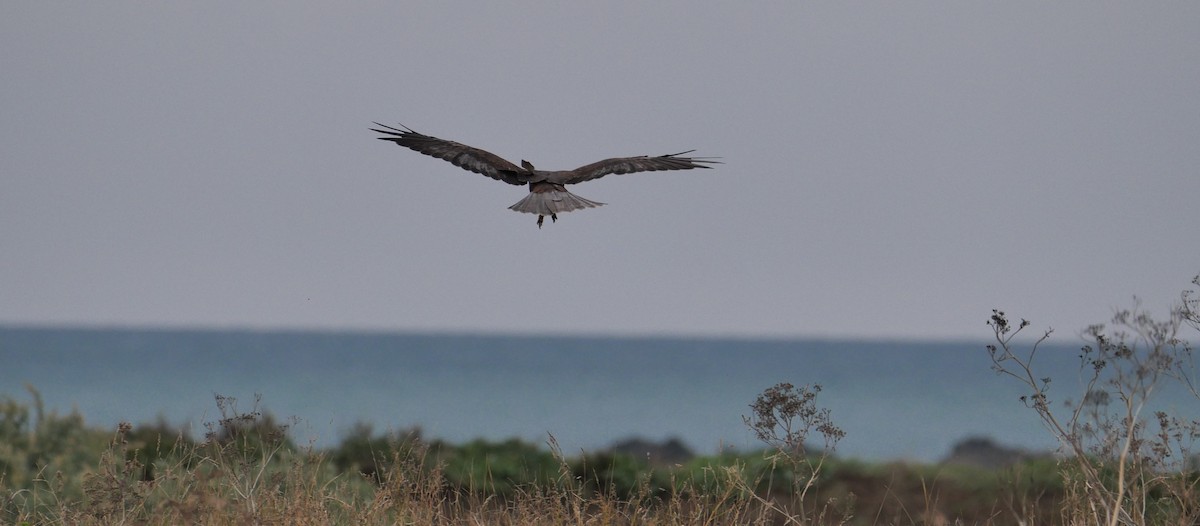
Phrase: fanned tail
x=552 y=202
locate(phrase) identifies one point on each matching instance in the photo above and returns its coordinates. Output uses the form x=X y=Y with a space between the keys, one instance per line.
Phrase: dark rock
x=986 y=453
x=667 y=452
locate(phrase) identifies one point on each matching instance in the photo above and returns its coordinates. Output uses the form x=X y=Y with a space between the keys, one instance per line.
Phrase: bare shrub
x=783 y=417
x=1122 y=463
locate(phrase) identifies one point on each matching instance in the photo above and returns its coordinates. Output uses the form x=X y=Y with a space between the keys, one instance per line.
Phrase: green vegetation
x=1117 y=464
x=56 y=470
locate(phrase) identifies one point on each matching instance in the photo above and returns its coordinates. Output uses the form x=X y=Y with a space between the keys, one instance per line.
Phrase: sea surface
x=899 y=400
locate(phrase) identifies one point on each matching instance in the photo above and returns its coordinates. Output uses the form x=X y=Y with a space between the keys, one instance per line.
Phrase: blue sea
x=900 y=400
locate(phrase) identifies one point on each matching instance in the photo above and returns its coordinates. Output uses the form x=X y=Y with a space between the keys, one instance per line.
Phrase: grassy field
x=54 y=469
x=1116 y=465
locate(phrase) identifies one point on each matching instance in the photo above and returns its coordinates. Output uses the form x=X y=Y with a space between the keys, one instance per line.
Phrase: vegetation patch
x=1118 y=463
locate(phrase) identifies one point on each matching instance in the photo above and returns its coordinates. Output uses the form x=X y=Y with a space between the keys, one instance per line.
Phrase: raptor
x=548 y=195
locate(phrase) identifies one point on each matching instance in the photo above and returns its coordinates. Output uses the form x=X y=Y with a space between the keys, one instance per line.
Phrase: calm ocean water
x=897 y=400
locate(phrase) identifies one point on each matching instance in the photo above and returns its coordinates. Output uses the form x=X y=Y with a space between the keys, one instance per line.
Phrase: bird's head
x=526 y=165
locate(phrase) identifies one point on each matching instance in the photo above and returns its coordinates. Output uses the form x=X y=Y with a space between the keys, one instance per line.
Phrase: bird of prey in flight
x=548 y=195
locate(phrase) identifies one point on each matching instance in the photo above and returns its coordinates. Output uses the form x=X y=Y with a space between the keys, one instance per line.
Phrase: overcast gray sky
x=891 y=169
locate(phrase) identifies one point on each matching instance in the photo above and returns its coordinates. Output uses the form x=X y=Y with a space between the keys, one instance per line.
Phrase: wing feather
x=460 y=155
x=628 y=165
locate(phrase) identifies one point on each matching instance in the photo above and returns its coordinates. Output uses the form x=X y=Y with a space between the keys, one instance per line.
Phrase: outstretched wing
x=628 y=165
x=460 y=155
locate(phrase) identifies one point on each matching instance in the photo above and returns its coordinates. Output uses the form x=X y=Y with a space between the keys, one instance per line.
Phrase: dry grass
x=54 y=470
x=246 y=471
x=1119 y=465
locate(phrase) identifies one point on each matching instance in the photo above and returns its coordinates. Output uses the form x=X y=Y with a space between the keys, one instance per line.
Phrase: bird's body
x=548 y=195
